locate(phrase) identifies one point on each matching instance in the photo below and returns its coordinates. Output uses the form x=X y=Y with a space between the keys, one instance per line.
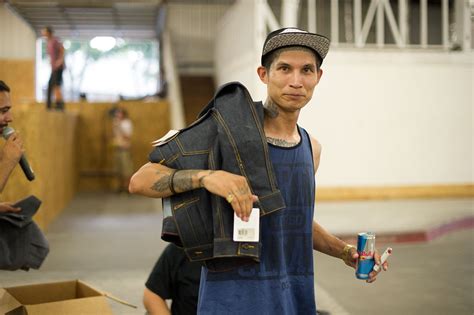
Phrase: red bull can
x=366 y=250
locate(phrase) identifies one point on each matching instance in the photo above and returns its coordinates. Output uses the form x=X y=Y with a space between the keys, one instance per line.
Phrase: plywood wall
x=19 y=75
x=71 y=151
x=48 y=138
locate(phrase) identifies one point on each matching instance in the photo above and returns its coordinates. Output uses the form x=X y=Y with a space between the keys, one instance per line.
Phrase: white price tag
x=247 y=231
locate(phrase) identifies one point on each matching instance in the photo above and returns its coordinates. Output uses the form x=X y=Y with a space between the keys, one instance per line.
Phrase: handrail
x=363 y=17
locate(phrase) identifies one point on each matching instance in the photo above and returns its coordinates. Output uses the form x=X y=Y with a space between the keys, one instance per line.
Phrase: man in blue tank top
x=283 y=281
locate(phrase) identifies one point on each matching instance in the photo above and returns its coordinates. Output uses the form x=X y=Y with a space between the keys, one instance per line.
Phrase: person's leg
x=50 y=90
x=58 y=96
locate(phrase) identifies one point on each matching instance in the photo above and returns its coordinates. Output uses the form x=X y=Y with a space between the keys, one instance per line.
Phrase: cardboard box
x=68 y=297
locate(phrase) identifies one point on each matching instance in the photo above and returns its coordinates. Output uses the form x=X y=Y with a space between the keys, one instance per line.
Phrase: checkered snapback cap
x=292 y=36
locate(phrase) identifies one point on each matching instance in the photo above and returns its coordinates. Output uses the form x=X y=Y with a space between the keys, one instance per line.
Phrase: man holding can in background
x=283 y=281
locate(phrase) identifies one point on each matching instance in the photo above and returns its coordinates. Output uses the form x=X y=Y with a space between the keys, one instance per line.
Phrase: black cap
x=292 y=36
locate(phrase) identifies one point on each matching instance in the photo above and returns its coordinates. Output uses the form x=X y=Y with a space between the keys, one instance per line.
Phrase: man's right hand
x=8 y=207
x=13 y=149
x=158 y=181
x=234 y=188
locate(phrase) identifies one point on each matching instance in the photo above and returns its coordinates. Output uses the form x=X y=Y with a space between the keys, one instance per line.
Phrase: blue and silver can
x=366 y=250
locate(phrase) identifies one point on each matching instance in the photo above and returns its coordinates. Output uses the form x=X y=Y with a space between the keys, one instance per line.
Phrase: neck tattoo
x=281 y=142
x=270 y=108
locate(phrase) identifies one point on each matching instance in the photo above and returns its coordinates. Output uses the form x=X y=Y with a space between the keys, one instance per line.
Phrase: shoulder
x=316 y=146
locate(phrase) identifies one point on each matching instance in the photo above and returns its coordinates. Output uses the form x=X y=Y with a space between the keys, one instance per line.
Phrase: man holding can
x=283 y=281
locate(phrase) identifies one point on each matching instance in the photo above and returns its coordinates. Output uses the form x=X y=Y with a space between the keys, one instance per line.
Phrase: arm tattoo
x=270 y=109
x=161 y=184
x=183 y=180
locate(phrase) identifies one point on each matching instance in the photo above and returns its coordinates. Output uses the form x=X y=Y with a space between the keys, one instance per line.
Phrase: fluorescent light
x=103 y=43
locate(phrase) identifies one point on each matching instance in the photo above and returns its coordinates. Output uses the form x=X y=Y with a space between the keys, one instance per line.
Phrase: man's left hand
x=350 y=257
x=373 y=274
x=8 y=207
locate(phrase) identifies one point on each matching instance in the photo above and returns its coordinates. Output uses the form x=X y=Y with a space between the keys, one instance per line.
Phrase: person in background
x=12 y=150
x=55 y=51
x=173 y=277
x=122 y=136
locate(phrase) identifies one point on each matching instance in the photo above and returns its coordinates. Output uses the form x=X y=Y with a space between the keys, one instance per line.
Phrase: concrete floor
x=112 y=241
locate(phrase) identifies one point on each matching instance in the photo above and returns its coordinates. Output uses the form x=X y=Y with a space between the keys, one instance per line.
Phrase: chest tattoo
x=281 y=142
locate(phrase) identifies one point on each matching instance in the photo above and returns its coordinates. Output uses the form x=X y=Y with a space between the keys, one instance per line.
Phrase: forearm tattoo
x=270 y=108
x=161 y=184
x=183 y=180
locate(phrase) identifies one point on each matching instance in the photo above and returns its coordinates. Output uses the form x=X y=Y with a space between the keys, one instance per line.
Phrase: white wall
x=16 y=37
x=383 y=117
x=192 y=28
x=235 y=55
x=174 y=86
x=390 y=118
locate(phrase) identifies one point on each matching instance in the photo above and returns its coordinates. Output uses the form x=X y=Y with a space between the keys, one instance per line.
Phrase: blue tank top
x=283 y=281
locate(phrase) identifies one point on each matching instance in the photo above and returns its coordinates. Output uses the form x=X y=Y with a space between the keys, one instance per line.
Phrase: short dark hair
x=49 y=29
x=4 y=87
x=270 y=57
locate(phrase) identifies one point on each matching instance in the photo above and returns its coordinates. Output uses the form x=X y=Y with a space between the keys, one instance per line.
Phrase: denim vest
x=228 y=135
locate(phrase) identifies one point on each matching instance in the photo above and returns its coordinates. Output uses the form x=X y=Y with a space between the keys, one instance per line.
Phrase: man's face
x=291 y=79
x=5 y=113
x=45 y=33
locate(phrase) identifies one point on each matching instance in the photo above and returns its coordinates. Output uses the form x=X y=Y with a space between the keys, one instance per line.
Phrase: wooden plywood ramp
x=48 y=138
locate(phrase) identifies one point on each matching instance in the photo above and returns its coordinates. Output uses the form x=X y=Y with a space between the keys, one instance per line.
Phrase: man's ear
x=262 y=74
x=320 y=74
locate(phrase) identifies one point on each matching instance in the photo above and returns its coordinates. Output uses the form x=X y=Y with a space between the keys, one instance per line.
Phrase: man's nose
x=8 y=117
x=296 y=80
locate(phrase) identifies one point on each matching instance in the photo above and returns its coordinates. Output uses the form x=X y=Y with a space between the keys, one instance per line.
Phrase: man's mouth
x=294 y=95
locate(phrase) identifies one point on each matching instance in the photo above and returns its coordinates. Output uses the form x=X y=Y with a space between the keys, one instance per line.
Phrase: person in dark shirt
x=173 y=277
